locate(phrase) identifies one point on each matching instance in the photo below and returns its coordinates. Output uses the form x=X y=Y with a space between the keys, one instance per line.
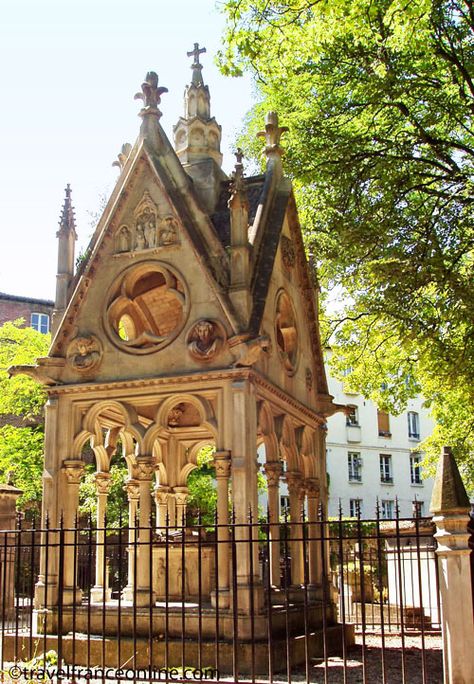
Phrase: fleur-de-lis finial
x=122 y=156
x=151 y=93
x=272 y=133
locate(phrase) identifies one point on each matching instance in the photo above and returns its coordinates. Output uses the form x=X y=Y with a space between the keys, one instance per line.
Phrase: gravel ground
x=393 y=662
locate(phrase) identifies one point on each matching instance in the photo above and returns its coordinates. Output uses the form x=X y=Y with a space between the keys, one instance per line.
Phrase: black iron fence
x=323 y=601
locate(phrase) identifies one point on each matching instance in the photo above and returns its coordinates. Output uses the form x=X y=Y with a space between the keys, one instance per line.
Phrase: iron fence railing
x=245 y=600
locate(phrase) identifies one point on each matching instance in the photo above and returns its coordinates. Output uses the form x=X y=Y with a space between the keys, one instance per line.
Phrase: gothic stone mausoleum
x=191 y=321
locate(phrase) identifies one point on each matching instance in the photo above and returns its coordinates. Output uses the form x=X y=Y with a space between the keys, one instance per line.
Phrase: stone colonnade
x=236 y=470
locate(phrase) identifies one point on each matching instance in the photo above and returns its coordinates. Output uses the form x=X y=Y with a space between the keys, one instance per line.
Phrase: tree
x=21 y=448
x=379 y=99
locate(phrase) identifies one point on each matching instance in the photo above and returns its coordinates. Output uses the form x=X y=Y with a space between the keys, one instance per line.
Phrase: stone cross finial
x=151 y=93
x=195 y=52
x=196 y=66
x=272 y=133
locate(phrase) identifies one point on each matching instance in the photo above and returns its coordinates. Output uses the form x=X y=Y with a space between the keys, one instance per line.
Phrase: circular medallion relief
x=286 y=332
x=147 y=308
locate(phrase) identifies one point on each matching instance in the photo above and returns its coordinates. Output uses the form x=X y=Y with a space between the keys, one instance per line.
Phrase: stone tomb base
x=112 y=620
x=140 y=654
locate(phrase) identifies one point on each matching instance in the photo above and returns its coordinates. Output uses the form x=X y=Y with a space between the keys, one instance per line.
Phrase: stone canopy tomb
x=192 y=320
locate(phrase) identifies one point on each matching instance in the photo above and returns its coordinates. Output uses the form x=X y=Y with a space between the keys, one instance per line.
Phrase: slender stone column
x=294 y=481
x=145 y=470
x=272 y=472
x=132 y=487
x=181 y=496
x=73 y=471
x=222 y=464
x=450 y=505
x=161 y=499
x=102 y=483
x=315 y=567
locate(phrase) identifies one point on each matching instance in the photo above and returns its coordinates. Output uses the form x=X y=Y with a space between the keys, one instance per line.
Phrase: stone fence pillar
x=450 y=506
x=8 y=497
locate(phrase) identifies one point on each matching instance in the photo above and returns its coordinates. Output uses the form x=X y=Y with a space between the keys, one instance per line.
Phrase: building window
x=413 y=425
x=387 y=509
x=418 y=508
x=40 y=322
x=415 y=469
x=284 y=503
x=386 y=475
x=354 y=465
x=352 y=417
x=355 y=508
x=383 y=422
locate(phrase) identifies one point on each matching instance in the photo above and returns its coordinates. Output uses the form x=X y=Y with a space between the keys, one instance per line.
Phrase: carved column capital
x=222 y=464
x=294 y=481
x=73 y=470
x=311 y=485
x=181 y=495
x=132 y=487
x=272 y=470
x=145 y=468
x=161 y=495
x=102 y=483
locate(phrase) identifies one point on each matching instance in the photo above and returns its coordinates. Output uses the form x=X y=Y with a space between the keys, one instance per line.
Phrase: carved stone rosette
x=84 y=354
x=73 y=469
x=205 y=339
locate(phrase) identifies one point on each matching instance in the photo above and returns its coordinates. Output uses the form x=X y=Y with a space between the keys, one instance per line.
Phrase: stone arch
x=203 y=406
x=288 y=446
x=266 y=432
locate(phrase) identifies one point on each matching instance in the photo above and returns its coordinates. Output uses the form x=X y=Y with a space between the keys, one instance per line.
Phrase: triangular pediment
x=153 y=252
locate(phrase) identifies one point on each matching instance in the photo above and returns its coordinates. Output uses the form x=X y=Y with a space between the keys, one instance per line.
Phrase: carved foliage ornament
x=205 y=340
x=84 y=354
x=288 y=253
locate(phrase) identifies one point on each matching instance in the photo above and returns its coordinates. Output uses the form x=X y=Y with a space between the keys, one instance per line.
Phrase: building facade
x=35 y=312
x=371 y=456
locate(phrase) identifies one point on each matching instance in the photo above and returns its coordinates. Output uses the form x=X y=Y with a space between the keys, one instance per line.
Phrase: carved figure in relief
x=84 y=353
x=174 y=415
x=203 y=340
x=168 y=231
x=140 y=238
x=287 y=252
x=124 y=239
x=149 y=226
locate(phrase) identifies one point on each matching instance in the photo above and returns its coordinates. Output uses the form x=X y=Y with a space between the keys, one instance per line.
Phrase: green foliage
x=21 y=448
x=20 y=395
x=21 y=454
x=379 y=100
x=117 y=502
x=202 y=489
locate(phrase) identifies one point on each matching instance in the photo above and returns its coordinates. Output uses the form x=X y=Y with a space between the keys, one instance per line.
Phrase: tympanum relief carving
x=151 y=227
